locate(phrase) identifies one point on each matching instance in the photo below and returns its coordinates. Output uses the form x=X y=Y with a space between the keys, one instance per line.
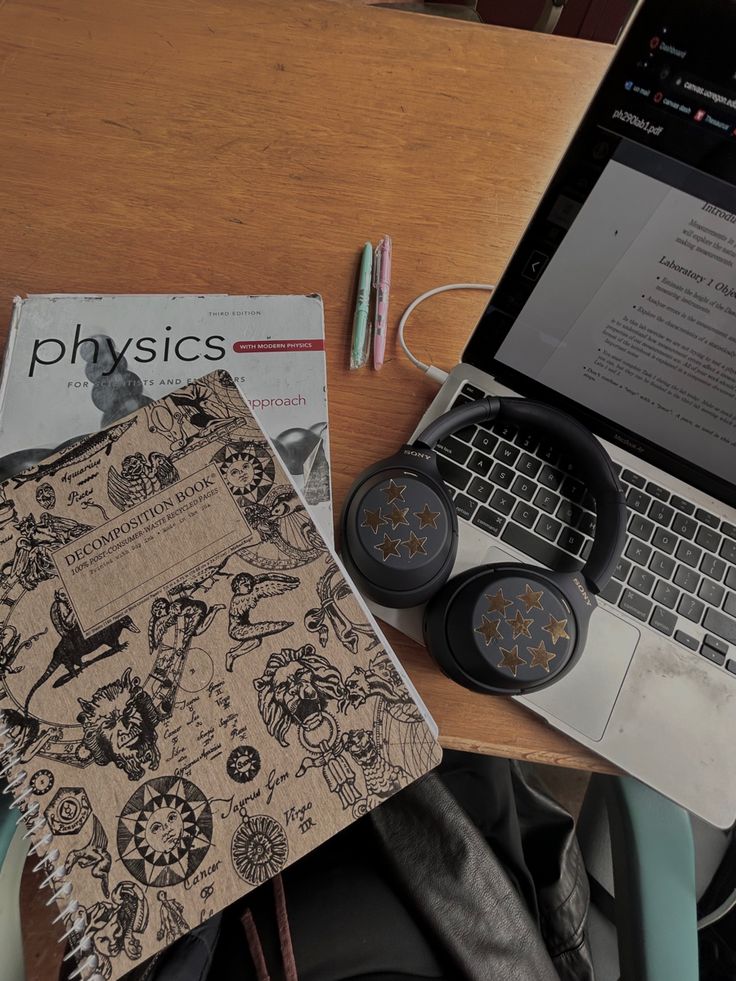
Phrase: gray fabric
x=460 y=888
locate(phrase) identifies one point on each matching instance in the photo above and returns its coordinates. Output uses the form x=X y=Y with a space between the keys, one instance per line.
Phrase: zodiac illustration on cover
x=191 y=695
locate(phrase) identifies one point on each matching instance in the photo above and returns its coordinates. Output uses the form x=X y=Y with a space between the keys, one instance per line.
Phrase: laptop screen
x=619 y=302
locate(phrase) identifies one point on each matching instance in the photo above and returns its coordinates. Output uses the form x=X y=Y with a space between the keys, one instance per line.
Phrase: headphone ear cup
x=504 y=629
x=399 y=534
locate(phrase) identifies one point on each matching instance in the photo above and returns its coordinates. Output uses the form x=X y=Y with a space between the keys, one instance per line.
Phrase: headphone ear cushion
x=399 y=534
x=503 y=629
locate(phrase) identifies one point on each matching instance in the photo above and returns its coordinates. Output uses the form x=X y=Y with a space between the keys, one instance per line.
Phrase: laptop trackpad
x=584 y=698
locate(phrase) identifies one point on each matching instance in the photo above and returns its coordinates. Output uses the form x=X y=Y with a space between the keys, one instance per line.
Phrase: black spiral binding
x=87 y=967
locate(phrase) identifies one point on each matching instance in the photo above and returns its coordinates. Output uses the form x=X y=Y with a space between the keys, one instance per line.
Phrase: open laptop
x=619 y=305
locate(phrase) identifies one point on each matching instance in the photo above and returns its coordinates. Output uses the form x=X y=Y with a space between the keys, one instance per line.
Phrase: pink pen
x=382 y=285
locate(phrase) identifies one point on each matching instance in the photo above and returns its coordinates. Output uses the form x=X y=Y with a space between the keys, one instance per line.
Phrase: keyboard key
x=569 y=513
x=641 y=527
x=462 y=400
x=691 y=608
x=571 y=540
x=573 y=489
x=548 y=452
x=662 y=564
x=686 y=579
x=636 y=605
x=638 y=501
x=707 y=518
x=665 y=541
x=611 y=592
x=548 y=528
x=505 y=430
x=535 y=548
x=527 y=440
x=641 y=580
x=546 y=500
x=731 y=578
x=661 y=513
x=586 y=524
x=632 y=478
x=550 y=478
x=453 y=449
x=452 y=474
x=715 y=568
x=656 y=491
x=711 y=592
x=680 y=504
x=484 y=441
x=728 y=529
x=730 y=605
x=731 y=666
x=728 y=550
x=718 y=623
x=683 y=526
x=622 y=570
x=488 y=521
x=666 y=594
x=528 y=465
x=506 y=453
x=686 y=640
x=501 y=475
x=525 y=514
x=716 y=644
x=523 y=488
x=689 y=554
x=663 y=620
x=708 y=539
x=501 y=501
x=588 y=501
x=638 y=552
x=465 y=506
x=712 y=654
x=585 y=554
x=471 y=392
x=479 y=464
x=479 y=489
x=466 y=434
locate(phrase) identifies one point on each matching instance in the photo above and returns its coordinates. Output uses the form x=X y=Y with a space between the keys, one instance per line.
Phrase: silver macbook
x=619 y=305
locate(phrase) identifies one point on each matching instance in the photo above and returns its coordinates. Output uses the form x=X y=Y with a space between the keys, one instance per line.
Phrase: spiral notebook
x=192 y=695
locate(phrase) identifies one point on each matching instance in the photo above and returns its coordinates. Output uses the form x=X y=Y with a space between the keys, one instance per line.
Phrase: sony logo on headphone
x=422 y=456
x=582 y=590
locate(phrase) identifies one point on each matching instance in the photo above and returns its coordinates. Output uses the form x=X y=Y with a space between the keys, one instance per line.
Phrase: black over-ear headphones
x=502 y=629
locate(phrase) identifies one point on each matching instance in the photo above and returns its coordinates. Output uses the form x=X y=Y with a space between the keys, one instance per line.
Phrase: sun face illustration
x=246 y=468
x=164 y=831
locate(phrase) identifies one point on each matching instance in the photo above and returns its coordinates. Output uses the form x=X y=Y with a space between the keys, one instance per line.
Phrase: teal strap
x=654 y=880
x=7 y=824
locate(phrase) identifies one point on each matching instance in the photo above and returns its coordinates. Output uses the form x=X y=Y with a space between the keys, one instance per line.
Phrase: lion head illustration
x=119 y=724
x=295 y=688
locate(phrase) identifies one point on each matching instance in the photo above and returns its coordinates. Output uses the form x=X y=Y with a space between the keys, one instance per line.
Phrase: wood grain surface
x=252 y=147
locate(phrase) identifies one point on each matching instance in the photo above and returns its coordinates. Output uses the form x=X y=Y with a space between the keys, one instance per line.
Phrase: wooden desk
x=189 y=146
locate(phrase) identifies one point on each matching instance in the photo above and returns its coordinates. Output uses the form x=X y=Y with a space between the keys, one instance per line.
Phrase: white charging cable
x=436 y=374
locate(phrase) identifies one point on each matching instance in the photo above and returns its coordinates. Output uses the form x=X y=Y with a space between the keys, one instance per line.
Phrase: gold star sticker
x=398 y=517
x=556 y=629
x=511 y=659
x=373 y=520
x=530 y=599
x=389 y=546
x=415 y=545
x=489 y=629
x=427 y=518
x=520 y=625
x=394 y=492
x=498 y=602
x=540 y=656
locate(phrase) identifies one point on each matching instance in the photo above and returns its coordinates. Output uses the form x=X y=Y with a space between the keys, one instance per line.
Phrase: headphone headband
x=591 y=461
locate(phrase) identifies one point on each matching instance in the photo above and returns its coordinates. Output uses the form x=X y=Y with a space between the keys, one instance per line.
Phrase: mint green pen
x=361 y=346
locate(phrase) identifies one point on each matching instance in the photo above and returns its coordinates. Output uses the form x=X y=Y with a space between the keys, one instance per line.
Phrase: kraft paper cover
x=194 y=695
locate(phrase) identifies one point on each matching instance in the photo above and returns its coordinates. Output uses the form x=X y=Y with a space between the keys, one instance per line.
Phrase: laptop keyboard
x=678 y=568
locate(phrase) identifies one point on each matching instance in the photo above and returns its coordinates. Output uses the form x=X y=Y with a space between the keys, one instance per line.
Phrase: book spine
x=18 y=302
x=14 y=777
